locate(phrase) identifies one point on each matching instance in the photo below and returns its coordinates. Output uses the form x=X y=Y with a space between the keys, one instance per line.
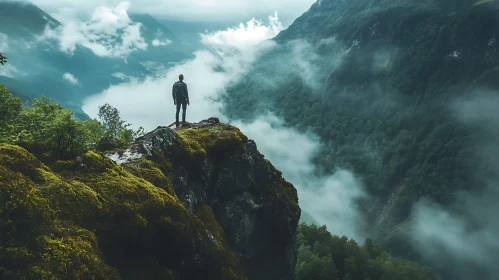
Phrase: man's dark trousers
x=184 y=106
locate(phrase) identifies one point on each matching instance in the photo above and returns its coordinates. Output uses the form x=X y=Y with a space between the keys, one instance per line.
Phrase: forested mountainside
x=393 y=88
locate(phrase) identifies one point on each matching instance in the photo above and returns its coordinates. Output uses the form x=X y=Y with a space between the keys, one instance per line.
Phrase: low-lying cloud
x=9 y=70
x=230 y=53
x=330 y=200
x=149 y=102
x=108 y=33
x=463 y=238
x=4 y=42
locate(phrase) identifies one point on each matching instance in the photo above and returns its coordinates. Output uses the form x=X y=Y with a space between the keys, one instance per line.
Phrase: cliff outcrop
x=192 y=203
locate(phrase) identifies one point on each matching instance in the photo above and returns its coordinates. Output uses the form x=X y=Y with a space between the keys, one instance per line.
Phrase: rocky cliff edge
x=193 y=203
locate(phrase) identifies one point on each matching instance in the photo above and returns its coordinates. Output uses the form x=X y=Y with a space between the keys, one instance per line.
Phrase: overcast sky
x=193 y=10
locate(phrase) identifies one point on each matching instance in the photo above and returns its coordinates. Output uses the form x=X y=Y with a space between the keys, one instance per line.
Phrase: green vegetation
x=47 y=128
x=3 y=59
x=35 y=244
x=95 y=220
x=212 y=139
x=323 y=256
x=114 y=126
x=80 y=215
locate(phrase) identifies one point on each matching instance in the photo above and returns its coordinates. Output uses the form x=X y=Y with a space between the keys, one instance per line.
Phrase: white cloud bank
x=244 y=36
x=148 y=103
x=108 y=33
x=4 y=42
x=70 y=78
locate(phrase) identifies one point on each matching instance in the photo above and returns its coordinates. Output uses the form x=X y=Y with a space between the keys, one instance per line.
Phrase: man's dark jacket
x=180 y=93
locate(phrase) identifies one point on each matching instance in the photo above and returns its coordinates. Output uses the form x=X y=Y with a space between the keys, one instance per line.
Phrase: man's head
x=181 y=77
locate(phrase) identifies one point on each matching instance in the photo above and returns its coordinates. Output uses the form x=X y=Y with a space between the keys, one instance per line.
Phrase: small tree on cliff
x=115 y=127
x=111 y=119
x=3 y=59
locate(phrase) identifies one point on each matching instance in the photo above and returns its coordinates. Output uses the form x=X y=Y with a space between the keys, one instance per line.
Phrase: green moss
x=20 y=160
x=199 y=142
x=281 y=186
x=22 y=208
x=149 y=171
x=97 y=162
x=75 y=201
x=291 y=195
x=234 y=269
x=65 y=225
x=33 y=244
x=76 y=253
x=206 y=215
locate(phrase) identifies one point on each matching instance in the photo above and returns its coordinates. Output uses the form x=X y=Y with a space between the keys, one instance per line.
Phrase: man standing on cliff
x=180 y=97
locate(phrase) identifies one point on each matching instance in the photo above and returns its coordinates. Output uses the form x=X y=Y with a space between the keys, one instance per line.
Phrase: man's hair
x=181 y=77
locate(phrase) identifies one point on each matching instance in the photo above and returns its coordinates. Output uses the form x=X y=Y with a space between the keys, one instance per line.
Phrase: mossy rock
x=207 y=217
x=202 y=141
x=99 y=220
x=149 y=171
x=34 y=244
x=20 y=160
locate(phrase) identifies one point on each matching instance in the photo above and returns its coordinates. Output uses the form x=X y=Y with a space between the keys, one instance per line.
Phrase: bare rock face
x=214 y=164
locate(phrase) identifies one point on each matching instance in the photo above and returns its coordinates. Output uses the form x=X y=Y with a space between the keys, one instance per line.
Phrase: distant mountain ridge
x=37 y=68
x=21 y=19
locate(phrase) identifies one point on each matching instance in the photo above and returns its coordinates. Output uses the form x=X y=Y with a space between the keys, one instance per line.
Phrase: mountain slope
x=381 y=83
x=197 y=203
x=23 y=19
x=153 y=27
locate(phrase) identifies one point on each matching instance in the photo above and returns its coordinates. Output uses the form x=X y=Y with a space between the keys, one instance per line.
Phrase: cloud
x=244 y=36
x=4 y=42
x=149 y=103
x=158 y=43
x=462 y=238
x=70 y=78
x=331 y=200
x=108 y=33
x=462 y=241
x=194 y=10
x=8 y=70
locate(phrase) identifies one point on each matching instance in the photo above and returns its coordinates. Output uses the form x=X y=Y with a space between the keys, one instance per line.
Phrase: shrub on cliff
x=10 y=108
x=3 y=59
x=49 y=129
x=115 y=127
